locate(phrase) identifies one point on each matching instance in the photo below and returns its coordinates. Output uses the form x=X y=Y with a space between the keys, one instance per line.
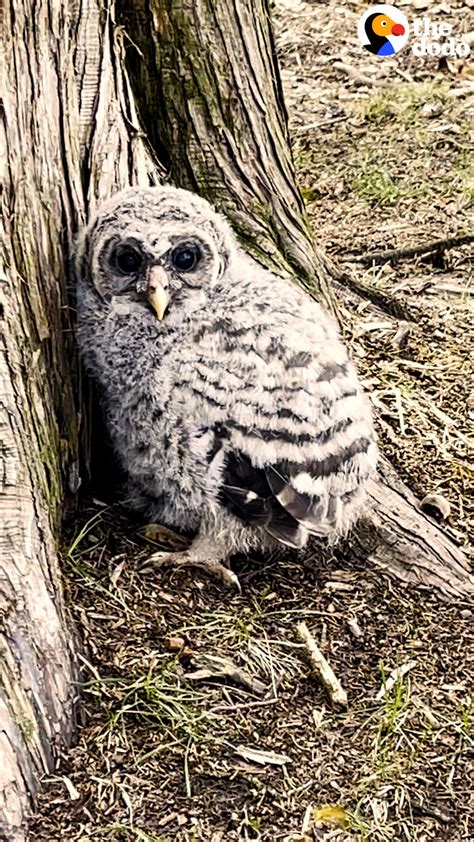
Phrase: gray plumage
x=237 y=413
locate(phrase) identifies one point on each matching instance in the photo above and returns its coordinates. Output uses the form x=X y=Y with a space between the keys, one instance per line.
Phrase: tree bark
x=208 y=90
x=68 y=141
x=210 y=99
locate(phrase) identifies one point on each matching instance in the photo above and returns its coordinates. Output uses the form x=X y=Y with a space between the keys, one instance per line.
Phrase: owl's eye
x=185 y=258
x=128 y=260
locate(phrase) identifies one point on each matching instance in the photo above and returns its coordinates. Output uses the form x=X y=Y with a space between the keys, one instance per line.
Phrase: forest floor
x=199 y=717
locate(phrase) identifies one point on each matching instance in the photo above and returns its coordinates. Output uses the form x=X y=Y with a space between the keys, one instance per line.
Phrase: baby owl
x=229 y=396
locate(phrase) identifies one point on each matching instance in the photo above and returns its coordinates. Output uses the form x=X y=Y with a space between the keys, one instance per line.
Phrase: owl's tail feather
x=266 y=512
x=267 y=497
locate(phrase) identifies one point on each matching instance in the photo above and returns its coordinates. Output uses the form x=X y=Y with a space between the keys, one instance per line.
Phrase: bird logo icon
x=383 y=30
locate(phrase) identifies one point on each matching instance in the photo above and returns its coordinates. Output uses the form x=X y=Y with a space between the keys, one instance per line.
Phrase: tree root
x=378 y=258
x=410 y=545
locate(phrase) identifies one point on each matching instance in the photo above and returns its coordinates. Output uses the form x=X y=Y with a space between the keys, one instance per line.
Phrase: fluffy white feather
x=239 y=414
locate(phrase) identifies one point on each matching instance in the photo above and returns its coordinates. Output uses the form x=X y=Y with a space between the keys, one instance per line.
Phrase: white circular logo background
x=397 y=41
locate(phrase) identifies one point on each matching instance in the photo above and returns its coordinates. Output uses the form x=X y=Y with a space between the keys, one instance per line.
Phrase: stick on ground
x=321 y=667
x=394 y=255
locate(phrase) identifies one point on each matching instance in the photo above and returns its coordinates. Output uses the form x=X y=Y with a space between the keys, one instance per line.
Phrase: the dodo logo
x=383 y=30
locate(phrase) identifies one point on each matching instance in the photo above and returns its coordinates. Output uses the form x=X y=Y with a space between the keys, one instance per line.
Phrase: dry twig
x=255 y=755
x=214 y=666
x=394 y=255
x=317 y=660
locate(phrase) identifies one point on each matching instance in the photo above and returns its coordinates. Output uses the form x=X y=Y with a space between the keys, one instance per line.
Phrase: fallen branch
x=214 y=666
x=356 y=76
x=385 y=301
x=394 y=255
x=404 y=541
x=321 y=667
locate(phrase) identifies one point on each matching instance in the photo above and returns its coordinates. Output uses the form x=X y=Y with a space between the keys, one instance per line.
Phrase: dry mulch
x=160 y=754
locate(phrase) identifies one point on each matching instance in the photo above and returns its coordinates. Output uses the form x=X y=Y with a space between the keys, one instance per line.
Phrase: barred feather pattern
x=239 y=414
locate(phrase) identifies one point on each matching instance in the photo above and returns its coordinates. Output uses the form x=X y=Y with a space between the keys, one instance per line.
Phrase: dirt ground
x=200 y=718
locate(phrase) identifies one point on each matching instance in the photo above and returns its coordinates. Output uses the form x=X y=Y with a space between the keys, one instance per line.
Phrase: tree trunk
x=67 y=141
x=208 y=91
x=210 y=100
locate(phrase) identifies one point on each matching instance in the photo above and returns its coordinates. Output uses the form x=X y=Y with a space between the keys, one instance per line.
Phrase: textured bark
x=208 y=90
x=66 y=142
x=210 y=98
x=410 y=545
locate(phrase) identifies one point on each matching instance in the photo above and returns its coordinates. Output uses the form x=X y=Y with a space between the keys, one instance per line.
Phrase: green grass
x=402 y=102
x=400 y=157
x=466 y=716
x=387 y=756
x=158 y=700
x=80 y=546
x=380 y=186
x=392 y=755
x=83 y=542
x=229 y=629
x=464 y=171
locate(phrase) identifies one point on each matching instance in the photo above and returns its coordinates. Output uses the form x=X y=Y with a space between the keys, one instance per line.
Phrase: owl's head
x=155 y=245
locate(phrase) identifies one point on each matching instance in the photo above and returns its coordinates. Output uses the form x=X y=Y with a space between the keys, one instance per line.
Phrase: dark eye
x=185 y=258
x=128 y=260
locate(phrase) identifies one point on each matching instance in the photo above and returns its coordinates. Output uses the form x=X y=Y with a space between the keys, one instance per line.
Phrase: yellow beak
x=157 y=290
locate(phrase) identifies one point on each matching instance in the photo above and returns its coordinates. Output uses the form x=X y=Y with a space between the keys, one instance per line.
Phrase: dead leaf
x=74 y=795
x=160 y=534
x=116 y=573
x=395 y=675
x=432 y=109
x=215 y=666
x=255 y=755
x=331 y=814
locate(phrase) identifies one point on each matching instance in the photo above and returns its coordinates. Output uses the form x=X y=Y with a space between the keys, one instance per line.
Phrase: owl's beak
x=157 y=290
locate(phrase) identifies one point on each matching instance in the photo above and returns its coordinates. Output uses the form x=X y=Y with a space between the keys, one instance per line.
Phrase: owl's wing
x=248 y=495
x=291 y=499
x=286 y=403
x=298 y=453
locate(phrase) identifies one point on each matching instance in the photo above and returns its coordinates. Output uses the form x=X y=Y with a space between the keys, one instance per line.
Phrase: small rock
x=178 y=644
x=436 y=506
x=432 y=109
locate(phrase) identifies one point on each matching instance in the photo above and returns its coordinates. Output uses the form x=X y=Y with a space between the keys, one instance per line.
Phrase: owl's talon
x=230 y=579
x=211 y=566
